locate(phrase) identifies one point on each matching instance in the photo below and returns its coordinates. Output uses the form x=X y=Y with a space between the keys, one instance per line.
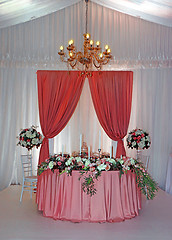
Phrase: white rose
x=87 y=162
x=111 y=160
x=141 y=144
x=138 y=132
x=69 y=161
x=132 y=161
x=101 y=167
x=35 y=141
x=129 y=138
x=78 y=159
x=51 y=165
x=33 y=135
x=121 y=161
x=28 y=134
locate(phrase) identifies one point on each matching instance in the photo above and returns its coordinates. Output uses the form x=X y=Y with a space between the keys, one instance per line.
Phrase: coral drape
x=112 y=96
x=58 y=95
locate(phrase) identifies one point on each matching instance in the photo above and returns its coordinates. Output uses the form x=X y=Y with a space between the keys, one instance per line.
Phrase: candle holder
x=99 y=150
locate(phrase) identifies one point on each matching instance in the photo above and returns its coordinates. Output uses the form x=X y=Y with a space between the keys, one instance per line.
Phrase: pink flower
x=80 y=163
x=59 y=163
x=98 y=162
x=92 y=169
x=107 y=167
x=73 y=161
x=103 y=160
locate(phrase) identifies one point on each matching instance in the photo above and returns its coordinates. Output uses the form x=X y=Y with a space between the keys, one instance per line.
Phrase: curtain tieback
x=45 y=140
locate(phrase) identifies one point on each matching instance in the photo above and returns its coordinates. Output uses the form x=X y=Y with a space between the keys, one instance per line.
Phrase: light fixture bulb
x=106 y=47
x=70 y=42
x=91 y=42
x=101 y=55
x=87 y=36
x=98 y=43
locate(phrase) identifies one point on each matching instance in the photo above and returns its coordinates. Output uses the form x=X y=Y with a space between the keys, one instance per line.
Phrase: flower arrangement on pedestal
x=30 y=138
x=91 y=168
x=138 y=139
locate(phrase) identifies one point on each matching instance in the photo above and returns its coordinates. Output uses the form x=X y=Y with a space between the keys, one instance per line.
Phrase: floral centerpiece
x=90 y=170
x=138 y=139
x=30 y=138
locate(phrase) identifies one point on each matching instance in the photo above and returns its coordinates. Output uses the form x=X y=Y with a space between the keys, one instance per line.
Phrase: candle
x=110 y=151
x=87 y=36
x=80 y=143
x=99 y=139
x=88 y=152
x=91 y=43
x=106 y=47
x=100 y=55
x=62 y=150
x=98 y=43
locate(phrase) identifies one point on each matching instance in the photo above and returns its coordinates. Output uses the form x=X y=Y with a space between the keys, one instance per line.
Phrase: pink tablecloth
x=61 y=197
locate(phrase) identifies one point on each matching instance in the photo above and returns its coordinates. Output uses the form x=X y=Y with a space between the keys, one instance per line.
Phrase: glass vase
x=139 y=154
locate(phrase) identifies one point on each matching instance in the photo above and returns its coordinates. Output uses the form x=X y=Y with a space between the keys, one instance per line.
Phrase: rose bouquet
x=138 y=139
x=30 y=138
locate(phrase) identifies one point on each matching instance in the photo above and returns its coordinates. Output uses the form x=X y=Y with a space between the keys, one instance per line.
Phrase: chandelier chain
x=86 y=16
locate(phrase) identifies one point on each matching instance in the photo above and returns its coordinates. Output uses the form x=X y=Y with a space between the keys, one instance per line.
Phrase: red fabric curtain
x=112 y=96
x=58 y=95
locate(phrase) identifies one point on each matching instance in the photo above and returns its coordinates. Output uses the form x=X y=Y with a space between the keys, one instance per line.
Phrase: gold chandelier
x=89 y=56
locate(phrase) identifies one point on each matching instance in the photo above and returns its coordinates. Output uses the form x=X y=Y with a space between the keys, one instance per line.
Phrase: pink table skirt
x=61 y=197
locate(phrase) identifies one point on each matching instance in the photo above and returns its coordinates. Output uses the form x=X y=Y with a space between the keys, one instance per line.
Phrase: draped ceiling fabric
x=11 y=12
x=134 y=43
x=143 y=47
x=112 y=94
x=58 y=95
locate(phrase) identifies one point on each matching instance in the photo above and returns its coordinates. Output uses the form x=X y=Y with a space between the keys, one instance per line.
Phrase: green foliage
x=146 y=184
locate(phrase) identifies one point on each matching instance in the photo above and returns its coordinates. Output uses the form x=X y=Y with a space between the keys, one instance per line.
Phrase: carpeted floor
x=20 y=221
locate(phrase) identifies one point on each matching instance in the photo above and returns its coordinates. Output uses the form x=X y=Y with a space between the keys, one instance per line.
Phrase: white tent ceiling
x=18 y=11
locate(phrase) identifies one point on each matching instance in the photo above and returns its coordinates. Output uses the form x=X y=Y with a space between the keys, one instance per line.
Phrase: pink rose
x=107 y=167
x=92 y=169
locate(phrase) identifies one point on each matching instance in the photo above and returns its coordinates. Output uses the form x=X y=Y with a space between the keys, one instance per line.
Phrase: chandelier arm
x=73 y=63
x=63 y=58
x=96 y=63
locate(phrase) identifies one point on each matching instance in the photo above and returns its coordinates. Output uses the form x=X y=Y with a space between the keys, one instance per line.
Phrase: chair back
x=26 y=165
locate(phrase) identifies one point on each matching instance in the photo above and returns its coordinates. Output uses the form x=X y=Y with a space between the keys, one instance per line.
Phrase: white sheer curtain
x=137 y=45
x=84 y=121
x=18 y=109
x=152 y=111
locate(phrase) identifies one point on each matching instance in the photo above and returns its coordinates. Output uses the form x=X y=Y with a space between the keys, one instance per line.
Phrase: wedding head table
x=61 y=197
